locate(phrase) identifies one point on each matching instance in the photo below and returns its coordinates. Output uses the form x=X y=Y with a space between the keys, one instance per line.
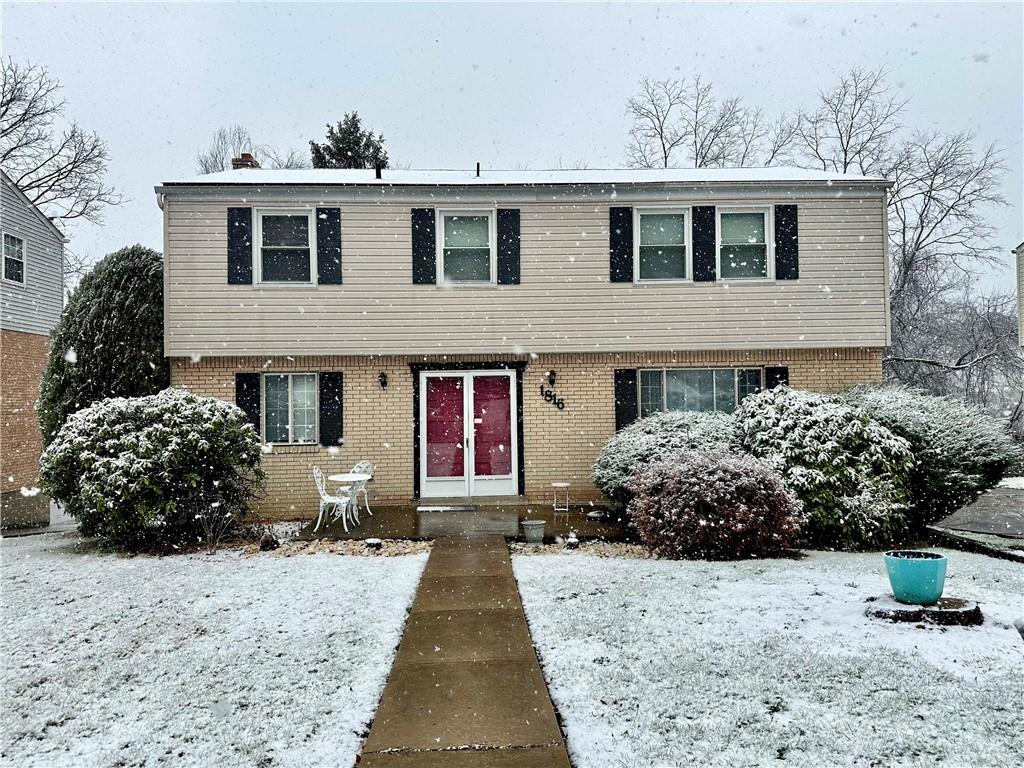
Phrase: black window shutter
x=424 y=253
x=247 y=397
x=620 y=245
x=240 y=246
x=776 y=376
x=625 y=397
x=330 y=395
x=508 y=246
x=787 y=256
x=328 y=246
x=704 y=255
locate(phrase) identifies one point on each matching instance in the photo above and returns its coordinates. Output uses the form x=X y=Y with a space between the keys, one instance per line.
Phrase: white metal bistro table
x=348 y=479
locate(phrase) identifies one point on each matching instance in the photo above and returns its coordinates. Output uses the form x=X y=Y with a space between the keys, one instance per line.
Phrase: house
x=31 y=300
x=483 y=334
x=1019 y=253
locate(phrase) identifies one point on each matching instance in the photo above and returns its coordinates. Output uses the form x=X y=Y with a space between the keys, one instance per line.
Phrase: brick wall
x=558 y=444
x=22 y=359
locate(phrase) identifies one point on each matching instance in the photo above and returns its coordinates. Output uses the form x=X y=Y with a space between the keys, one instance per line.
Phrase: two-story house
x=31 y=300
x=483 y=334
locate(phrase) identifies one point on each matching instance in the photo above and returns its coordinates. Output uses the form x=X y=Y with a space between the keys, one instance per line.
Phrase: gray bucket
x=533 y=530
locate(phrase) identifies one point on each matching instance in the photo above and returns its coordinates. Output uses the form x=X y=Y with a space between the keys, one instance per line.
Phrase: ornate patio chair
x=365 y=468
x=339 y=504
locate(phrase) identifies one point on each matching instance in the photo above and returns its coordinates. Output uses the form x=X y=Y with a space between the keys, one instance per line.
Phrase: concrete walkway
x=466 y=688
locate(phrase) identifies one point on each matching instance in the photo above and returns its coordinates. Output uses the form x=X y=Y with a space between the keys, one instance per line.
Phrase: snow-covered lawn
x=193 y=660
x=656 y=663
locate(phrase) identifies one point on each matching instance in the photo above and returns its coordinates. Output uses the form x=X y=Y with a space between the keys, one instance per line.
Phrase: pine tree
x=349 y=146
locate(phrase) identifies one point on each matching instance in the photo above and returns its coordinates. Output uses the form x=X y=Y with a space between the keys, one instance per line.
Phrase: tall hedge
x=109 y=342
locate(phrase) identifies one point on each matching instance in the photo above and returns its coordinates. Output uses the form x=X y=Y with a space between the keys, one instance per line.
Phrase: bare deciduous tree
x=57 y=164
x=233 y=141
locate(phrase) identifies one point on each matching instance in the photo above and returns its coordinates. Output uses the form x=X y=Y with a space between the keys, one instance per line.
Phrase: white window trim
x=257 y=244
x=492 y=238
x=687 y=212
x=664 y=382
x=24 y=260
x=291 y=421
x=769 y=236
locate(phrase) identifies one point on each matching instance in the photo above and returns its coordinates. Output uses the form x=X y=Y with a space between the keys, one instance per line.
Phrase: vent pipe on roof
x=377 y=168
x=478 y=169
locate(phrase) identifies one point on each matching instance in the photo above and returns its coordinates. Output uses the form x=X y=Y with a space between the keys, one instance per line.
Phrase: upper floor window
x=743 y=250
x=696 y=389
x=14 y=259
x=286 y=248
x=467 y=249
x=289 y=408
x=660 y=252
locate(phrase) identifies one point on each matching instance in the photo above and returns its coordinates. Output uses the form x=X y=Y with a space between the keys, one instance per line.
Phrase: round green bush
x=154 y=470
x=713 y=505
x=958 y=451
x=850 y=472
x=653 y=438
x=109 y=341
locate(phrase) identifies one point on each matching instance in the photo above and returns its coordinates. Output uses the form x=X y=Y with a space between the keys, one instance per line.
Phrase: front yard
x=660 y=663
x=193 y=660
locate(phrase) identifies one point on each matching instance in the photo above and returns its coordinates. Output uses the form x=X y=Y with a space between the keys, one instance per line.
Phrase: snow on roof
x=331 y=176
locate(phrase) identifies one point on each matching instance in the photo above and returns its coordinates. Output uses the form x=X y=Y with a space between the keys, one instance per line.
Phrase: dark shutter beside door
x=328 y=246
x=331 y=415
x=787 y=251
x=424 y=248
x=508 y=246
x=247 y=396
x=620 y=245
x=240 y=246
x=626 y=408
x=704 y=256
x=775 y=376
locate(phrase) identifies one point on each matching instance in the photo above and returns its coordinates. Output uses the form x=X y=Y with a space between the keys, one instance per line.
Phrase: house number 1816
x=551 y=397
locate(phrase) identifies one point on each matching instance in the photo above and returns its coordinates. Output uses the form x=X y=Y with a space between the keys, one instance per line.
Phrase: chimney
x=245 y=161
x=377 y=168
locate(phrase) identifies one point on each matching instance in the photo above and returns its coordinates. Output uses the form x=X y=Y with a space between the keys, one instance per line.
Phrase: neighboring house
x=31 y=300
x=484 y=335
x=1019 y=253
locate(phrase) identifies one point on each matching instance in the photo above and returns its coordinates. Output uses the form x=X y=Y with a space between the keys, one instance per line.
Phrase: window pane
x=742 y=228
x=14 y=247
x=662 y=229
x=463 y=264
x=466 y=231
x=664 y=262
x=650 y=392
x=14 y=270
x=749 y=381
x=275 y=406
x=492 y=426
x=725 y=390
x=304 y=408
x=286 y=231
x=285 y=265
x=689 y=390
x=744 y=261
x=445 y=427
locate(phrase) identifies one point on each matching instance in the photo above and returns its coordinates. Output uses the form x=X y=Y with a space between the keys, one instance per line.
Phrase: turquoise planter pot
x=916 y=577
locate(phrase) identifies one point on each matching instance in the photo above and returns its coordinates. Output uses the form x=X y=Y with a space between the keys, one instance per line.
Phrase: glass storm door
x=467 y=434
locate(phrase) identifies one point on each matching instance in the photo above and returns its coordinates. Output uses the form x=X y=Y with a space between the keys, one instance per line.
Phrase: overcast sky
x=509 y=86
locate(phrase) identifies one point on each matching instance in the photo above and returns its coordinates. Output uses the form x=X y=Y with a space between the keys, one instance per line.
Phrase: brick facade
x=22 y=360
x=558 y=444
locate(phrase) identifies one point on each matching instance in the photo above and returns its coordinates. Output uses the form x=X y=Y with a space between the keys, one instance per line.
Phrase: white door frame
x=469 y=484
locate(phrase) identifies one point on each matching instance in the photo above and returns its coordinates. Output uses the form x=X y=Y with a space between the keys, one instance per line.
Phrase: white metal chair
x=363 y=468
x=340 y=504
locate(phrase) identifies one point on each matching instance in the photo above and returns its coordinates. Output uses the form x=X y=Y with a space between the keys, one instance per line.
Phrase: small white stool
x=560 y=501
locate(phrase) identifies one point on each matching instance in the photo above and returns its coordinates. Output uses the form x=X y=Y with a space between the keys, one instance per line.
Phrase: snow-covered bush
x=653 y=438
x=958 y=451
x=162 y=469
x=714 y=505
x=849 y=471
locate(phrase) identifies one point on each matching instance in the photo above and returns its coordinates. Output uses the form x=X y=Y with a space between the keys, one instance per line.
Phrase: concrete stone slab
x=999 y=512
x=433 y=637
x=477 y=543
x=445 y=706
x=453 y=593
x=520 y=757
x=464 y=563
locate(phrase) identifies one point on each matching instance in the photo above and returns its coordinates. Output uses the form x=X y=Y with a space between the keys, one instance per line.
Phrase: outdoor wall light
x=551 y=378
x=383 y=379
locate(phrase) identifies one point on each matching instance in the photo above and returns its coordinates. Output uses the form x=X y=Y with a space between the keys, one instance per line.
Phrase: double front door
x=468 y=441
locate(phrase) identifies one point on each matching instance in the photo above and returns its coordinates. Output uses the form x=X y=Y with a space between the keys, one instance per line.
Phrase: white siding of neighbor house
x=34 y=307
x=1020 y=294
x=565 y=301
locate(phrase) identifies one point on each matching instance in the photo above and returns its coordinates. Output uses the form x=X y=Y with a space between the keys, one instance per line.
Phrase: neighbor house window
x=14 y=259
x=696 y=389
x=467 y=247
x=289 y=407
x=660 y=252
x=743 y=243
x=286 y=246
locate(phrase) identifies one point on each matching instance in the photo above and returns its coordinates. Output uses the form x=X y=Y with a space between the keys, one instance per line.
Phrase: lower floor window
x=289 y=407
x=696 y=389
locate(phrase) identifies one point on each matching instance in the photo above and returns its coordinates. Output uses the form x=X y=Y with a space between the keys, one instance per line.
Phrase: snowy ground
x=658 y=663
x=1012 y=482
x=193 y=660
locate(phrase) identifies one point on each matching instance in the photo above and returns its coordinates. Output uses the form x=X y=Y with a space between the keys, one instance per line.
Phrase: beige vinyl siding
x=565 y=302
